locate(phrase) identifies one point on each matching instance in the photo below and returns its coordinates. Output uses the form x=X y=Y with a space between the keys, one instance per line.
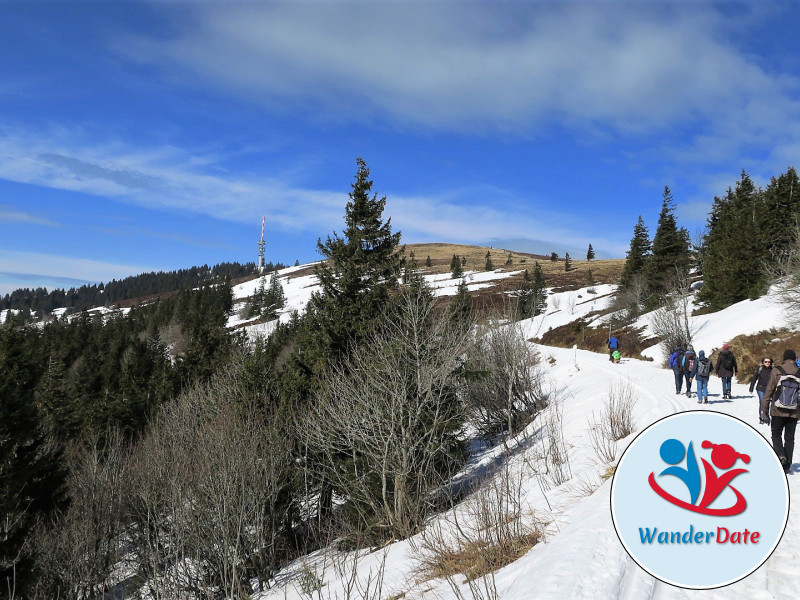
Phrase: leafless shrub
x=78 y=550
x=615 y=421
x=784 y=271
x=504 y=392
x=203 y=497
x=556 y=451
x=383 y=429
x=586 y=485
x=632 y=299
x=671 y=322
x=490 y=529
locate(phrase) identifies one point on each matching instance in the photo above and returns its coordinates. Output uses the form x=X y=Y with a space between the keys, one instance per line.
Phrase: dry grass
x=749 y=350
x=477 y=559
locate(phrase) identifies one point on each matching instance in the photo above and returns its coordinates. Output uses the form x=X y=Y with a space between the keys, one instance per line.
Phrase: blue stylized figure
x=672 y=452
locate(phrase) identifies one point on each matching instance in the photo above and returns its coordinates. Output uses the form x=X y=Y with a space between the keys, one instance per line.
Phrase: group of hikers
x=689 y=366
x=777 y=387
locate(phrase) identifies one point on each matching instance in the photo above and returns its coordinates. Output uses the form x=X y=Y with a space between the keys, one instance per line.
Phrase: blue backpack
x=613 y=343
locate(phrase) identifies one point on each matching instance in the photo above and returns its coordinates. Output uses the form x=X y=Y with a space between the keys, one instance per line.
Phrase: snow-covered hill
x=581 y=556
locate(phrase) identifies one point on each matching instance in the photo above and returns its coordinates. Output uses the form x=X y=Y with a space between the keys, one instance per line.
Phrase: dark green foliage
x=567 y=262
x=532 y=297
x=509 y=259
x=428 y=262
x=455 y=267
x=267 y=301
x=41 y=301
x=361 y=270
x=461 y=306
x=489 y=266
x=670 y=258
x=31 y=472
x=590 y=253
x=739 y=240
x=553 y=257
x=589 y=278
x=638 y=253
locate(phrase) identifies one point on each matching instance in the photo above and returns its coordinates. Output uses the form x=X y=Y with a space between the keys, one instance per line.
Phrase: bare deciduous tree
x=384 y=428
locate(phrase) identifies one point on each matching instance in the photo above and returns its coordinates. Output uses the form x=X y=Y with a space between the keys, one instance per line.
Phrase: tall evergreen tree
x=361 y=270
x=567 y=262
x=590 y=253
x=489 y=266
x=638 y=253
x=734 y=249
x=428 y=262
x=532 y=297
x=670 y=256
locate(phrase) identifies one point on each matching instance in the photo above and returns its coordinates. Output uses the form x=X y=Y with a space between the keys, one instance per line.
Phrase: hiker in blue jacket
x=689 y=368
x=613 y=344
x=675 y=364
x=704 y=368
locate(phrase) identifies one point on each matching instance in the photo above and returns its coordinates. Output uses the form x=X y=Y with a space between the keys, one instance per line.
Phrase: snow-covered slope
x=581 y=556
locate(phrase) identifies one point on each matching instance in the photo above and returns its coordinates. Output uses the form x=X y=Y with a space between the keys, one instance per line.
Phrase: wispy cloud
x=171 y=179
x=9 y=214
x=627 y=68
x=58 y=266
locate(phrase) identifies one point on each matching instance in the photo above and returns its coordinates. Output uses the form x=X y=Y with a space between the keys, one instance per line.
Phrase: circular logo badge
x=699 y=500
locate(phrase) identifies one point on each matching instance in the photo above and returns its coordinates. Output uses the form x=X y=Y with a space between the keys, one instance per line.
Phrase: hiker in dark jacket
x=760 y=380
x=675 y=365
x=726 y=368
x=689 y=368
x=704 y=368
x=784 y=421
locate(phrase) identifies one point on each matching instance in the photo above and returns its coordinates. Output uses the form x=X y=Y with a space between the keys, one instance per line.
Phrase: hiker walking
x=613 y=344
x=726 y=368
x=780 y=398
x=675 y=364
x=689 y=368
x=704 y=368
x=760 y=380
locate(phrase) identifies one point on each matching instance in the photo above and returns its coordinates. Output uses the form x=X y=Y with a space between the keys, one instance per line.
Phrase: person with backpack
x=675 y=364
x=689 y=368
x=780 y=398
x=726 y=368
x=613 y=344
x=704 y=368
x=760 y=380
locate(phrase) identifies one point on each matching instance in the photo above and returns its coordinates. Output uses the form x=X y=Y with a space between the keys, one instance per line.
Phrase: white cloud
x=59 y=266
x=513 y=66
x=171 y=179
x=9 y=214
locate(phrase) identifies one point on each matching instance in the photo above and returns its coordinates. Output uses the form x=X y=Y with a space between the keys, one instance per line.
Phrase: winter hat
x=725 y=347
x=702 y=354
x=789 y=354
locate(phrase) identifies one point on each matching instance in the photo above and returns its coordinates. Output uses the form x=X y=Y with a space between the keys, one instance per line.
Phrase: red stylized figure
x=724 y=457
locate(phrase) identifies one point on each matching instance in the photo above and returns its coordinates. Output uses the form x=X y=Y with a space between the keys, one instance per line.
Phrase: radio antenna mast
x=261 y=245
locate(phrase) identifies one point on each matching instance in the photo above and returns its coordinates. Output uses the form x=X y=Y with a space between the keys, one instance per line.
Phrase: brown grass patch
x=476 y=559
x=749 y=350
x=594 y=338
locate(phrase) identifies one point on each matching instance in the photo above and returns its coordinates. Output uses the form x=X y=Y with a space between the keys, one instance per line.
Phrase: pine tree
x=509 y=259
x=589 y=278
x=553 y=257
x=461 y=307
x=489 y=266
x=638 y=254
x=455 y=267
x=590 y=253
x=532 y=295
x=733 y=248
x=567 y=262
x=670 y=256
x=361 y=270
x=428 y=262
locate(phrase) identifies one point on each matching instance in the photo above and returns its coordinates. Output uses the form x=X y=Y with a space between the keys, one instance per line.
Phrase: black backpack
x=727 y=362
x=787 y=391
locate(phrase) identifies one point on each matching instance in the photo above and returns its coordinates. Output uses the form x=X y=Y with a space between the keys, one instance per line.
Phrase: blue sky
x=138 y=136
